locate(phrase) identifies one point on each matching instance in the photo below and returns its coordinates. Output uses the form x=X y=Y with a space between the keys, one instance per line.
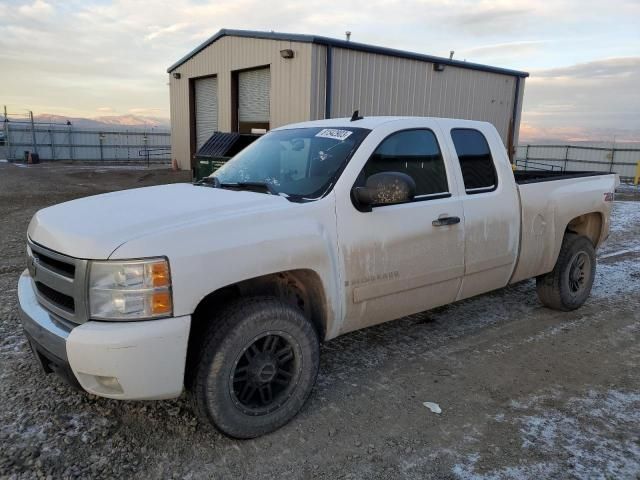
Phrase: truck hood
x=93 y=227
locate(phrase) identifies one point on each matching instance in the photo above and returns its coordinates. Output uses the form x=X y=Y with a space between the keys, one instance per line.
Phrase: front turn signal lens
x=159 y=274
x=161 y=303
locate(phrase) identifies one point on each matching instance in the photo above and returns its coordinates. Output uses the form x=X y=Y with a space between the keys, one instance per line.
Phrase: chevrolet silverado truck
x=227 y=287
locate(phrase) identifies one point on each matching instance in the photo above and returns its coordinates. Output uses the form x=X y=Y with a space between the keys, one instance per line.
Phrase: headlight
x=130 y=290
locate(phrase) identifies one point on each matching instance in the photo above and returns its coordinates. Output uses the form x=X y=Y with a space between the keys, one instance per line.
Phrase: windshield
x=300 y=162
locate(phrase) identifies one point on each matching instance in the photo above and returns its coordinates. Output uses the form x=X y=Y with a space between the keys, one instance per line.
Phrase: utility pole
x=52 y=133
x=6 y=133
x=33 y=133
x=101 y=138
x=70 y=141
x=613 y=154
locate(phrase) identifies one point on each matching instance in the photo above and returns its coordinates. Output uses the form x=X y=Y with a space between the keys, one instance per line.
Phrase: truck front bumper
x=125 y=360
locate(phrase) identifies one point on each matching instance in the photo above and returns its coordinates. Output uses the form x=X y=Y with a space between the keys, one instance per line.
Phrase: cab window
x=415 y=153
x=475 y=159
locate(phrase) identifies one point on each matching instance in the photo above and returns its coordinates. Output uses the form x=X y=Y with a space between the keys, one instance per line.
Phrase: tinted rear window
x=475 y=160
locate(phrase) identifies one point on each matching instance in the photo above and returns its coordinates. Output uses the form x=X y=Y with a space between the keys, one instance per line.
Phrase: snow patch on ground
x=624 y=216
x=580 y=436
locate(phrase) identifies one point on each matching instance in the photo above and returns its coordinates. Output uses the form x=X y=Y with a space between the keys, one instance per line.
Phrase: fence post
x=145 y=140
x=53 y=145
x=566 y=158
x=101 y=139
x=7 y=141
x=526 y=158
x=33 y=133
x=70 y=141
x=613 y=156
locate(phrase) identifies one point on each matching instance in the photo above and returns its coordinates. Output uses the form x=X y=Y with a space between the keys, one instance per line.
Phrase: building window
x=475 y=159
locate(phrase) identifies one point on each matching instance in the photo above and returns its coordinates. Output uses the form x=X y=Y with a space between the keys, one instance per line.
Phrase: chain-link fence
x=67 y=142
x=622 y=160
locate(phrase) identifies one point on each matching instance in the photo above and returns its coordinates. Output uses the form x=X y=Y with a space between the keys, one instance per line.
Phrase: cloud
x=601 y=94
x=605 y=69
x=76 y=56
x=35 y=9
x=499 y=53
x=159 y=32
x=483 y=20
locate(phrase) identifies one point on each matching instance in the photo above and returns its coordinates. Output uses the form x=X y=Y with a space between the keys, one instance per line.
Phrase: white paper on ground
x=434 y=407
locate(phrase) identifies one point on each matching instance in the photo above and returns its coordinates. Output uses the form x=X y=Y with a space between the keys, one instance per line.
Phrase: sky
x=97 y=58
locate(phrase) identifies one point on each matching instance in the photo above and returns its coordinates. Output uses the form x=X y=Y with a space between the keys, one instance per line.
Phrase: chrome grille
x=59 y=281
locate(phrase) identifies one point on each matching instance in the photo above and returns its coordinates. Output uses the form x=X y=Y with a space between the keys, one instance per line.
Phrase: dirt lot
x=525 y=391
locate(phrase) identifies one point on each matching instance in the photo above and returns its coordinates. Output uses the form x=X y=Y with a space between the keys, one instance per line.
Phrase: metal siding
x=374 y=83
x=334 y=42
x=516 y=133
x=253 y=95
x=290 y=95
x=318 y=81
x=206 y=101
x=383 y=85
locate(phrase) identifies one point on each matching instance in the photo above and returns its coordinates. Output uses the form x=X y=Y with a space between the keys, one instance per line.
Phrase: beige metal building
x=240 y=80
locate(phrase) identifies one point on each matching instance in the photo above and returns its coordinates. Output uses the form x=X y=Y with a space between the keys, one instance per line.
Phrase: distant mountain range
x=577 y=135
x=119 y=122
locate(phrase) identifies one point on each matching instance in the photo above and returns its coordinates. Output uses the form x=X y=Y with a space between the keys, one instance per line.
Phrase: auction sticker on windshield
x=334 y=133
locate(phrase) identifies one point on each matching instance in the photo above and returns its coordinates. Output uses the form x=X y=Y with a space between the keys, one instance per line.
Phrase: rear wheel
x=257 y=366
x=569 y=284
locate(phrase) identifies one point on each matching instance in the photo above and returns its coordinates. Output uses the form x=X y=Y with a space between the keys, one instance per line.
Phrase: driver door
x=398 y=259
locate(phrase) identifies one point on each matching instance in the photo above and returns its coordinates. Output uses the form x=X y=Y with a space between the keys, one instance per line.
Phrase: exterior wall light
x=287 y=53
x=176 y=75
x=438 y=67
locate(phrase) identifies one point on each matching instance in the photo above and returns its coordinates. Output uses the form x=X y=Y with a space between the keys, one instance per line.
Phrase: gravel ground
x=525 y=391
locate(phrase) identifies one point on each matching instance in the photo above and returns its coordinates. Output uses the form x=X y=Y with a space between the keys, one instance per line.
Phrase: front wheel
x=569 y=284
x=257 y=366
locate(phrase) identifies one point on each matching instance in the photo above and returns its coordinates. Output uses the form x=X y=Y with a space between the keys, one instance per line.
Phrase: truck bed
x=548 y=206
x=525 y=177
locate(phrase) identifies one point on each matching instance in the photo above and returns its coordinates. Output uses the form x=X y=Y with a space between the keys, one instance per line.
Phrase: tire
x=569 y=284
x=257 y=366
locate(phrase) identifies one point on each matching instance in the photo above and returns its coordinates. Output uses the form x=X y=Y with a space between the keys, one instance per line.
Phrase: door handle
x=444 y=221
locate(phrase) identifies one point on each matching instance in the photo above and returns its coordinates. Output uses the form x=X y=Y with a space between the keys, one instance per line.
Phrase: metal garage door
x=253 y=97
x=206 y=92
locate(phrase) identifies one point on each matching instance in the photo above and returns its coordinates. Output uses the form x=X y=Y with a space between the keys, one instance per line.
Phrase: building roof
x=362 y=47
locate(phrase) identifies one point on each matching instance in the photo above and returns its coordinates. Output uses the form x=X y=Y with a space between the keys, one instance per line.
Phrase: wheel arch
x=302 y=288
x=589 y=225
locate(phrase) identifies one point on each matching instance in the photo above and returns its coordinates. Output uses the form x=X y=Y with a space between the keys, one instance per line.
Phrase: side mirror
x=384 y=188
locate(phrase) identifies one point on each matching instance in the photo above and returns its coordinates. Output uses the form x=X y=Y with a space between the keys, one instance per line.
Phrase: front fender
x=207 y=256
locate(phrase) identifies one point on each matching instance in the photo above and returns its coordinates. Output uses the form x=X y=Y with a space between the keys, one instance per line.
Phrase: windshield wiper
x=212 y=182
x=260 y=187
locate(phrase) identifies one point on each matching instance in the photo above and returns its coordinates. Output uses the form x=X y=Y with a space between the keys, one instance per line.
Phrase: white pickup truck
x=228 y=286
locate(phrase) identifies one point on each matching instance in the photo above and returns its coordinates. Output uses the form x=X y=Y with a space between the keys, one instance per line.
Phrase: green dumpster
x=218 y=150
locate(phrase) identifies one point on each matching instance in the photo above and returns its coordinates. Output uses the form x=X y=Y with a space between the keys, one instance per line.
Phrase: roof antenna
x=356 y=116
x=451 y=52
x=348 y=34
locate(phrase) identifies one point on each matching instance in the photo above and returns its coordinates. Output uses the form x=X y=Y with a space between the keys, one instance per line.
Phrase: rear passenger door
x=491 y=210
x=396 y=259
